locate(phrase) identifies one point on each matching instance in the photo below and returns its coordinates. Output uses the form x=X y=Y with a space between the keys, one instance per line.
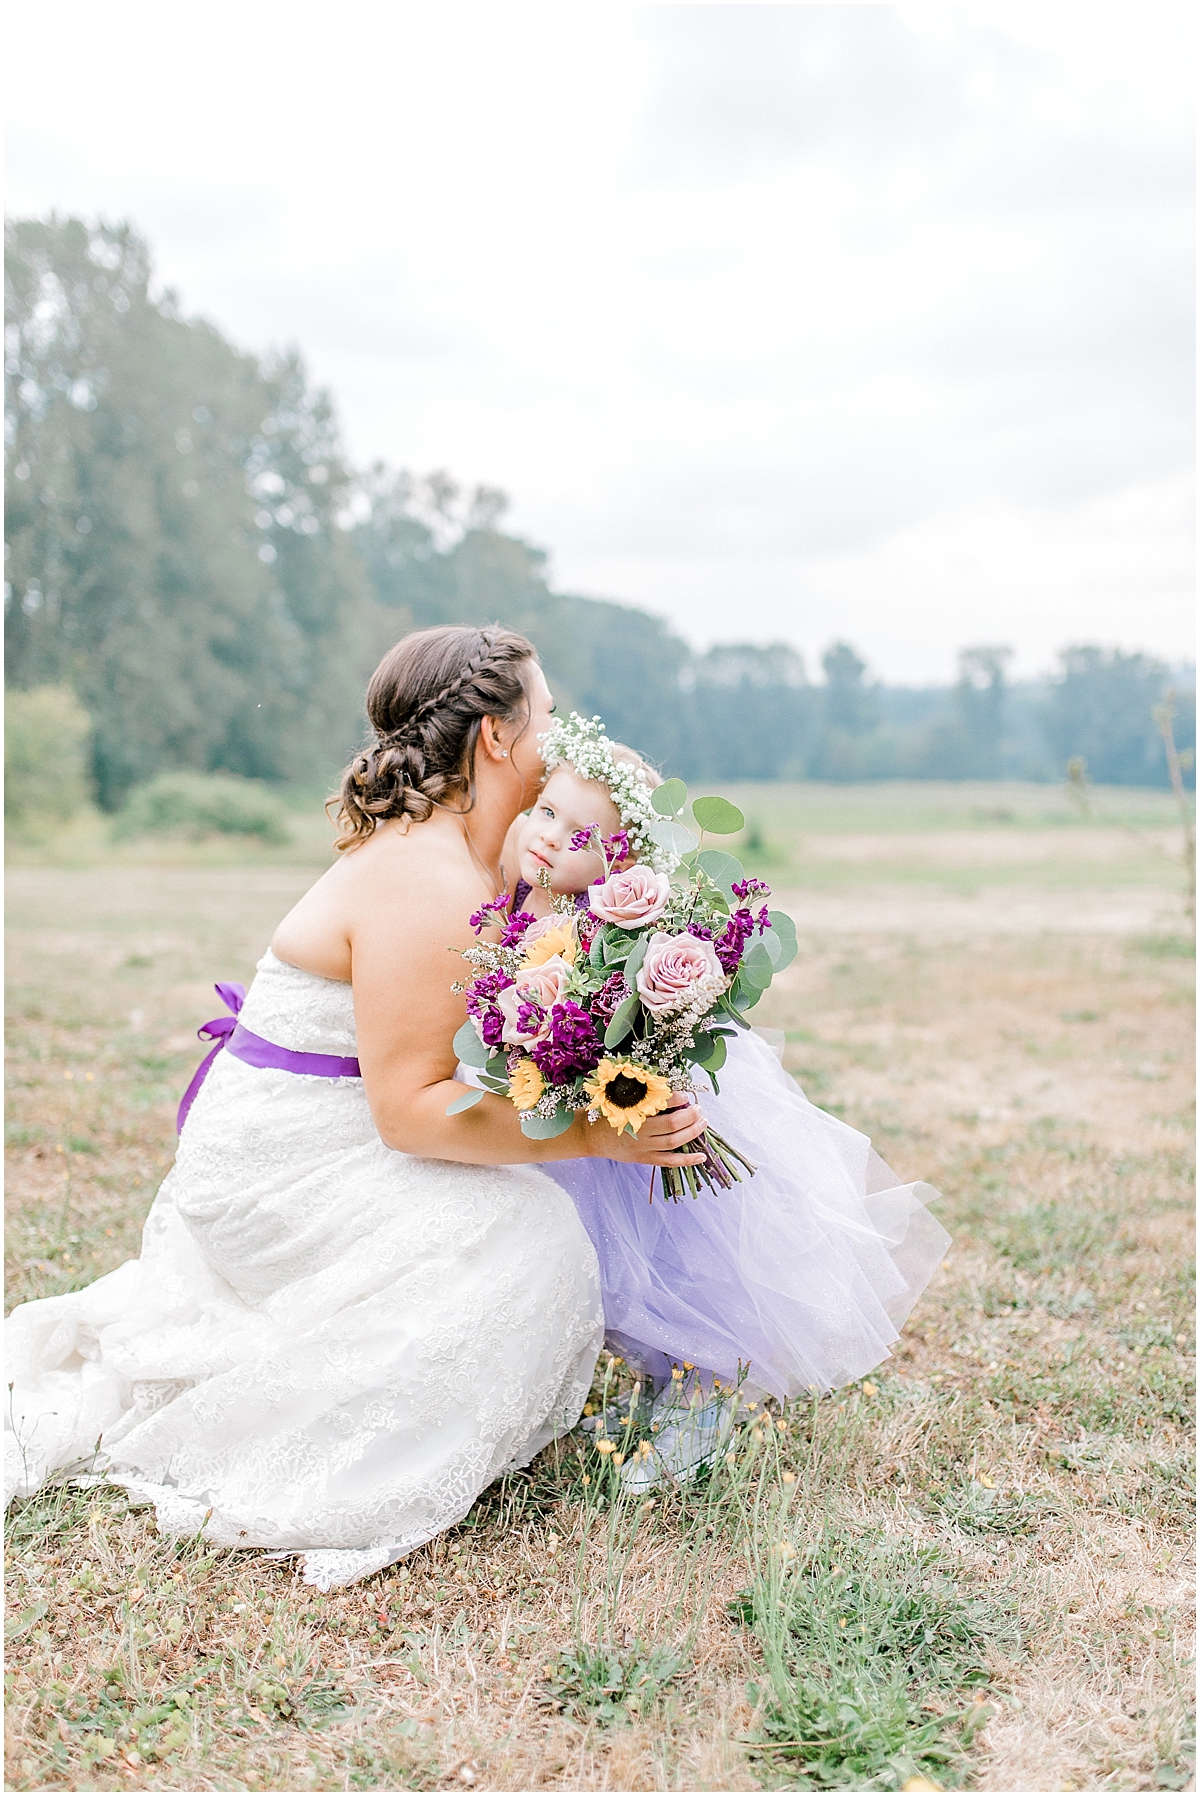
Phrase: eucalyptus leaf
x=718 y=816
x=499 y=1086
x=773 y=946
x=545 y=1128
x=669 y=798
x=787 y=952
x=783 y=926
x=596 y=953
x=468 y=1047
x=633 y=965
x=497 y=1066
x=723 y=869
x=622 y=1021
x=714 y=1060
x=672 y=836
x=756 y=967
x=469 y=1098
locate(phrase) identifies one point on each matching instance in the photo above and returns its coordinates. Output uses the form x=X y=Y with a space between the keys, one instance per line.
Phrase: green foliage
x=1098 y=709
x=196 y=805
x=981 y=1509
x=725 y=870
x=609 y=1683
x=854 y=1637
x=46 y=733
x=669 y=798
x=472 y=1096
x=718 y=817
x=174 y=550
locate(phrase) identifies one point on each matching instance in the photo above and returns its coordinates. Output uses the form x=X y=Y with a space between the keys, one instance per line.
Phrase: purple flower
x=749 y=888
x=530 y=1017
x=610 y=997
x=572 y=1047
x=764 y=920
x=515 y=928
x=583 y=838
x=732 y=941
x=482 y=1010
x=482 y=919
x=701 y=931
x=616 y=846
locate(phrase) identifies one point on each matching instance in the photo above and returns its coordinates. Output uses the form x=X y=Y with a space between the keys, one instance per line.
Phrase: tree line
x=188 y=549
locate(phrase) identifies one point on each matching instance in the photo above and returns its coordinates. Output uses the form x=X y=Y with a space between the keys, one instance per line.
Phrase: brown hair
x=426 y=701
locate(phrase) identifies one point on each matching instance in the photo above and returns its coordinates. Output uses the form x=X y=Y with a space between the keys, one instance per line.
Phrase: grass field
x=972 y=1568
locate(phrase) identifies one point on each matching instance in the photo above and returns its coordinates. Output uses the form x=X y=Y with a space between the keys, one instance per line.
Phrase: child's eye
x=547 y=811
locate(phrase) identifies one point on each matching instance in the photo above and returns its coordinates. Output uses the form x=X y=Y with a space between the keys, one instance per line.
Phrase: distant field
x=807 y=833
x=984 y=1550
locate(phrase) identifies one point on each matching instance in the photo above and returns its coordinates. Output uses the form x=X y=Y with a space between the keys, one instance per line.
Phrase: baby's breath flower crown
x=590 y=752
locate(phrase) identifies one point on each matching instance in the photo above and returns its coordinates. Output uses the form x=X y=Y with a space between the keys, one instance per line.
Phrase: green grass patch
x=861 y=1639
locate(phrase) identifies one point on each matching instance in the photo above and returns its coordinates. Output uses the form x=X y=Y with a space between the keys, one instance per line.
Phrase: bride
x=352 y=1311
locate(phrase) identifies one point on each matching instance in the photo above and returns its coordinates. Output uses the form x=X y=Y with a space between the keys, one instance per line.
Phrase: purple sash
x=227 y=1032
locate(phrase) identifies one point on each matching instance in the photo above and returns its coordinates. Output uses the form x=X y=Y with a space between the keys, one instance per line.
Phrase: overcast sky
x=788 y=321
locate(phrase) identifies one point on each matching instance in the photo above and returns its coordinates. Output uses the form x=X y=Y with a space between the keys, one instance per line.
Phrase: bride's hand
x=661 y=1140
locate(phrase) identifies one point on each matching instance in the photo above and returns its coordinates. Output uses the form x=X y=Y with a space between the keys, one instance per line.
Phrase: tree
x=752 y=712
x=849 y=717
x=1102 y=708
x=968 y=743
x=434 y=556
x=174 y=550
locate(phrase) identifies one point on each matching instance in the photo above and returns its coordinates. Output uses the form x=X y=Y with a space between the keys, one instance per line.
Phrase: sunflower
x=626 y=1094
x=559 y=940
x=525 y=1085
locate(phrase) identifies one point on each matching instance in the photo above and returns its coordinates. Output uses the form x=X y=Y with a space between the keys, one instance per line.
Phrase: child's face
x=567 y=803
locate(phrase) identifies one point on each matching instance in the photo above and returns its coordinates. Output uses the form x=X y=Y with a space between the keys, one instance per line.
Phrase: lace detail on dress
x=326 y=1347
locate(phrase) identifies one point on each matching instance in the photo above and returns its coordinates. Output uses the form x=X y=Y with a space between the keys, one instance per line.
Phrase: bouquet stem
x=718 y=1170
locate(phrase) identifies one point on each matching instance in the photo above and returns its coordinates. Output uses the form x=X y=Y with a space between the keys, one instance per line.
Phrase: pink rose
x=543 y=986
x=674 y=964
x=631 y=899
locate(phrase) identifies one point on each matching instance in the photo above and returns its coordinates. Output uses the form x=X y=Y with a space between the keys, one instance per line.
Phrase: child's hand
x=661 y=1141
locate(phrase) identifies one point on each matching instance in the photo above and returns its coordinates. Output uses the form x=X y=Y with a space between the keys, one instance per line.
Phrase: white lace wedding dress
x=326 y=1347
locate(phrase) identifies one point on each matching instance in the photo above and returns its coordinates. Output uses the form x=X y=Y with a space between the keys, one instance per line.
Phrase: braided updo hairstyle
x=426 y=701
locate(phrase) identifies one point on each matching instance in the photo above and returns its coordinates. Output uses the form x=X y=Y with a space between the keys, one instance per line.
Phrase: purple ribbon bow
x=255 y=1050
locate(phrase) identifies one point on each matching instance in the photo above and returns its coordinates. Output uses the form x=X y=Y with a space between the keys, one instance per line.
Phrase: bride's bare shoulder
x=385 y=884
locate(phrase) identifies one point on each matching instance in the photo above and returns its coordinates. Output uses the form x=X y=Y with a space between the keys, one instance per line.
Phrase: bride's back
x=382 y=886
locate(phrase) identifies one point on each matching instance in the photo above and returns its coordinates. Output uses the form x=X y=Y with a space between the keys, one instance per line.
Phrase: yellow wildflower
x=526 y=1085
x=627 y=1094
x=559 y=940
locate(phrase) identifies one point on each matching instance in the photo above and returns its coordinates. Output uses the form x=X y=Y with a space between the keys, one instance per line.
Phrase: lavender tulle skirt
x=799 y=1277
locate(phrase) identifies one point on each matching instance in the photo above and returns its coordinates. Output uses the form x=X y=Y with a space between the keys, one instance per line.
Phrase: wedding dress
x=327 y=1347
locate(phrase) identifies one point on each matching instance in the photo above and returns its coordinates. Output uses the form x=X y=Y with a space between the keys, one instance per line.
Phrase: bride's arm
x=404 y=960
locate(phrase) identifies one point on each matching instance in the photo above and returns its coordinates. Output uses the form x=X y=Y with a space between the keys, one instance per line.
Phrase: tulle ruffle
x=799 y=1278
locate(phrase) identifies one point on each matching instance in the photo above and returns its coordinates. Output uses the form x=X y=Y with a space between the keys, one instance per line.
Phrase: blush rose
x=632 y=899
x=673 y=966
x=543 y=986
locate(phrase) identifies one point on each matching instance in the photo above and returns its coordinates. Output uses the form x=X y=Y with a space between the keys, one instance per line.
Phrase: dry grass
x=1030 y=1438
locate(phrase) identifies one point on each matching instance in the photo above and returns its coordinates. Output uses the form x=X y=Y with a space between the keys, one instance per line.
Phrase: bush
x=202 y=804
x=46 y=732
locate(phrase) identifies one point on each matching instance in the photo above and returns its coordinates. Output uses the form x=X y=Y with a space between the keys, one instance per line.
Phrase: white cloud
x=780 y=319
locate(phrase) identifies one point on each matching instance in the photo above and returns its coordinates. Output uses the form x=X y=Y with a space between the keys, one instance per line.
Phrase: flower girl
x=798 y=1278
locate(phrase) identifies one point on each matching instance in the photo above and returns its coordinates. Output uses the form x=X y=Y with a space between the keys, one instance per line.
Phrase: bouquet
x=616 y=1000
